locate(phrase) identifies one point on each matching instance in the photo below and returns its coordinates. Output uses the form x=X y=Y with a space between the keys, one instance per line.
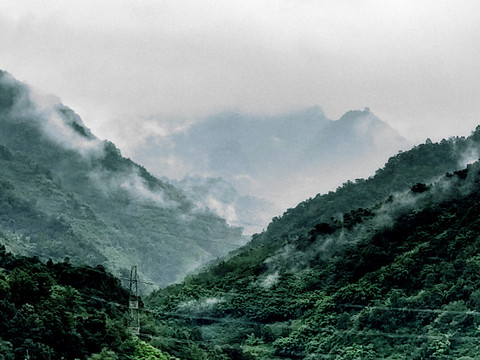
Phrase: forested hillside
x=423 y=163
x=65 y=193
x=59 y=311
x=395 y=275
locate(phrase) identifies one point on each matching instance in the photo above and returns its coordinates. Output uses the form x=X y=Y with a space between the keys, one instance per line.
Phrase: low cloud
x=414 y=63
x=200 y=305
x=43 y=111
x=270 y=280
x=132 y=183
x=135 y=185
x=323 y=247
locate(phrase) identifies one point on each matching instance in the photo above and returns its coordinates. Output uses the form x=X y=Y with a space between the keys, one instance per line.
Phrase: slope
x=63 y=192
x=397 y=278
x=423 y=163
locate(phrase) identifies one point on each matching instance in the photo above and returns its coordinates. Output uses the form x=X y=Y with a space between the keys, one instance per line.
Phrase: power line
x=139 y=281
x=262 y=297
x=324 y=329
x=345 y=305
x=370 y=333
x=407 y=309
x=341 y=305
x=329 y=329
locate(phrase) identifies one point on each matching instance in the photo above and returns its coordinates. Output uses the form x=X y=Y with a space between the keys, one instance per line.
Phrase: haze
x=133 y=69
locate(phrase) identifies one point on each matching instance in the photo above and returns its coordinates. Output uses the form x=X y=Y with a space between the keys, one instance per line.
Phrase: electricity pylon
x=134 y=325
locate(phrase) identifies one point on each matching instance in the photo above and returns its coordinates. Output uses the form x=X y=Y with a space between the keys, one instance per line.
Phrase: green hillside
x=385 y=279
x=59 y=311
x=423 y=163
x=65 y=193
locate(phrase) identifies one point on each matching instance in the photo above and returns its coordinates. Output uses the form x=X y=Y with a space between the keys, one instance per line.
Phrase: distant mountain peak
x=356 y=114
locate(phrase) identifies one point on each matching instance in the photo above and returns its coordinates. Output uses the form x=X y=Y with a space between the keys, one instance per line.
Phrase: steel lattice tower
x=133 y=302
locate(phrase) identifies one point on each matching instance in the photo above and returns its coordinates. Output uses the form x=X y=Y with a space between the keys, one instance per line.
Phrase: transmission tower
x=133 y=302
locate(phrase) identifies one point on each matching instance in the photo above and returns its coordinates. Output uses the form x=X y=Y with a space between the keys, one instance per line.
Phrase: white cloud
x=414 y=63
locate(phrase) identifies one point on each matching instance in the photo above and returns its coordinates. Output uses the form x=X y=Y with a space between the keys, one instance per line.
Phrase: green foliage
x=394 y=280
x=6 y=350
x=104 y=355
x=419 y=188
x=421 y=164
x=145 y=351
x=57 y=310
x=385 y=267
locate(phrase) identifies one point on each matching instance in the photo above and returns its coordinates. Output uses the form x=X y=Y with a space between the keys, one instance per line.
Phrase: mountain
x=65 y=193
x=384 y=267
x=353 y=137
x=283 y=158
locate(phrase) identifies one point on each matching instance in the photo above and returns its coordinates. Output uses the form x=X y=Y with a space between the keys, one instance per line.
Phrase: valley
x=385 y=266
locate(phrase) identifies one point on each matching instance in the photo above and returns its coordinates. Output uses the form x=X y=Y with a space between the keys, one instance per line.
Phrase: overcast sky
x=131 y=68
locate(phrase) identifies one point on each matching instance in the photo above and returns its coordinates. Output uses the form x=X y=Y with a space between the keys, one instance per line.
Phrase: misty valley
x=387 y=266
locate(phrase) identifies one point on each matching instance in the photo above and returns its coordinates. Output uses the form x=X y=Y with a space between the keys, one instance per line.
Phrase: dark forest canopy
x=56 y=310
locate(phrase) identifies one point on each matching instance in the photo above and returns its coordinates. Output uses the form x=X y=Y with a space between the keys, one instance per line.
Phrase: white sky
x=128 y=66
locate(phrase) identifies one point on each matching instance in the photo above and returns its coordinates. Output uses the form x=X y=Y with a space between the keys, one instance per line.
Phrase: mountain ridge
x=66 y=189
x=283 y=158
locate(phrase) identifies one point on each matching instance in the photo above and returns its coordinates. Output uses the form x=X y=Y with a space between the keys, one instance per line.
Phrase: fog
x=120 y=63
x=140 y=72
x=322 y=247
x=283 y=159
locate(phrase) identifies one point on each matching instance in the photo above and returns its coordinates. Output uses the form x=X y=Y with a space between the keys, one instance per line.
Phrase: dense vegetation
x=399 y=278
x=59 y=311
x=64 y=192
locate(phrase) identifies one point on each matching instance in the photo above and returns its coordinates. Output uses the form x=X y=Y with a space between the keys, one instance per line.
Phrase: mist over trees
x=63 y=192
